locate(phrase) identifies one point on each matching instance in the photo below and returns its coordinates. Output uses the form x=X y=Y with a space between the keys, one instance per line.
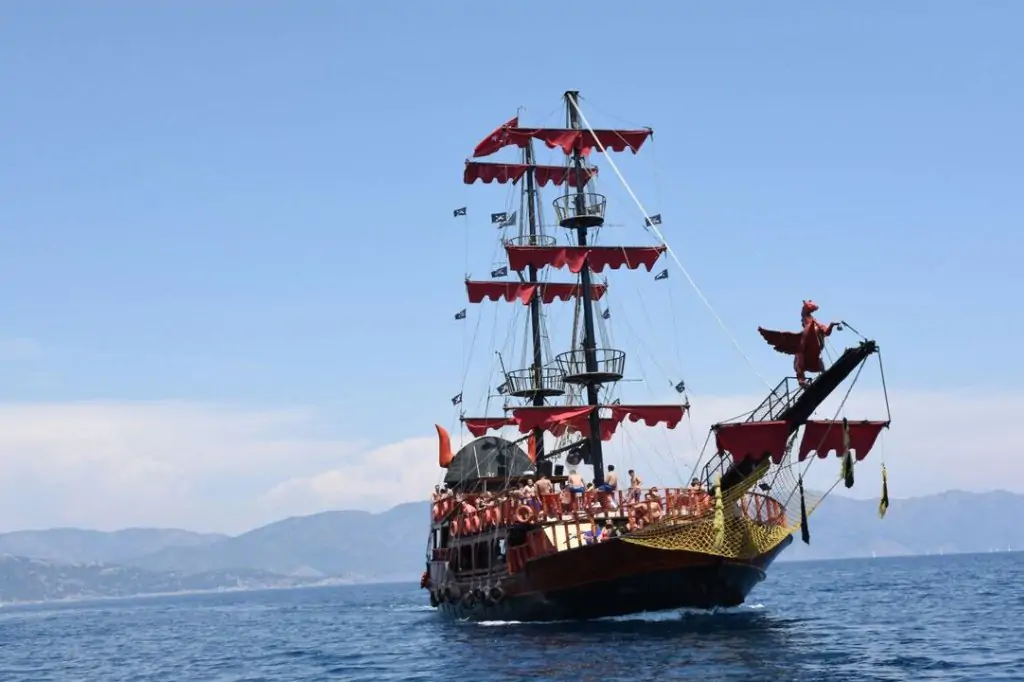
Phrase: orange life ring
x=524 y=514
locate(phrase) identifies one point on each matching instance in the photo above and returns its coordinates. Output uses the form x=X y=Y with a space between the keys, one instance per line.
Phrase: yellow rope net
x=739 y=524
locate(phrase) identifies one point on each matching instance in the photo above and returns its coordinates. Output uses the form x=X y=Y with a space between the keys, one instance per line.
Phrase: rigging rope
x=668 y=249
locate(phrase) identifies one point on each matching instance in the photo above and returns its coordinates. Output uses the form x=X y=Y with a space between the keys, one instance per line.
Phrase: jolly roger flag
x=661 y=275
x=459 y=211
x=499 y=218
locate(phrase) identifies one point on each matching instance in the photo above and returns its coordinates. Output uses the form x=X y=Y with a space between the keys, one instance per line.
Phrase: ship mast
x=535 y=302
x=580 y=224
x=577 y=209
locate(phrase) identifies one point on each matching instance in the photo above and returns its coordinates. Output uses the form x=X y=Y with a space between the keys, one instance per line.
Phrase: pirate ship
x=502 y=547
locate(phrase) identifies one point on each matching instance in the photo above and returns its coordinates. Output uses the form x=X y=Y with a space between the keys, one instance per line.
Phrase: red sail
x=503 y=173
x=598 y=257
x=497 y=139
x=825 y=436
x=479 y=426
x=557 y=419
x=753 y=440
x=566 y=139
x=669 y=415
x=510 y=291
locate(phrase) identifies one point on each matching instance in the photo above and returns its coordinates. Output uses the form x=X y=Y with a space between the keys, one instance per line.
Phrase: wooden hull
x=613 y=578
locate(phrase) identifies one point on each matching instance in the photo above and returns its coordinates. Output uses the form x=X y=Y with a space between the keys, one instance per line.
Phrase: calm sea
x=929 y=618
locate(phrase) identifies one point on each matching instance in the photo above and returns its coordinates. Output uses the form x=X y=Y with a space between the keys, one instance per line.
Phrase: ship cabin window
x=481 y=555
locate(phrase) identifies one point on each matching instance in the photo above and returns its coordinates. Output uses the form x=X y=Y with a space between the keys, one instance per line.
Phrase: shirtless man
x=575 y=482
x=611 y=481
x=635 y=485
x=543 y=485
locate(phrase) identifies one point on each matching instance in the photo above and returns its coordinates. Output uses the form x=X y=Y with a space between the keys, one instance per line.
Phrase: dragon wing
x=783 y=342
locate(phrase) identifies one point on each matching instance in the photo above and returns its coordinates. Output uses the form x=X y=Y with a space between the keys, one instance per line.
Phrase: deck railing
x=475 y=514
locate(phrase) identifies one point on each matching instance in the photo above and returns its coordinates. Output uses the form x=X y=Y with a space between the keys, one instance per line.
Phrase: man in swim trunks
x=611 y=481
x=575 y=483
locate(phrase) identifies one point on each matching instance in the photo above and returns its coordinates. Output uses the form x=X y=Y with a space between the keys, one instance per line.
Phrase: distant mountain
x=359 y=546
x=28 y=580
x=76 y=546
x=949 y=522
x=353 y=544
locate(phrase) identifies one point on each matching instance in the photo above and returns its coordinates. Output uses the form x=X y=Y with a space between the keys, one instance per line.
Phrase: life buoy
x=524 y=514
x=495 y=594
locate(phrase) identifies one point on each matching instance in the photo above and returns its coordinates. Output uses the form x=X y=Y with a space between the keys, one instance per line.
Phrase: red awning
x=503 y=173
x=597 y=257
x=669 y=415
x=825 y=436
x=566 y=139
x=510 y=291
x=479 y=426
x=557 y=419
x=753 y=440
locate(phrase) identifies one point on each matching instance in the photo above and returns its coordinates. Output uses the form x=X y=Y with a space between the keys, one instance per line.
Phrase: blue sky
x=250 y=203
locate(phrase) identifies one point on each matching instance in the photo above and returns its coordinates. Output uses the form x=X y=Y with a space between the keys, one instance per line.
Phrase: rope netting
x=742 y=523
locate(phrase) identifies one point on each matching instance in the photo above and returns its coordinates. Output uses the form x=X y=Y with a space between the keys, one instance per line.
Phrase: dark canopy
x=480 y=459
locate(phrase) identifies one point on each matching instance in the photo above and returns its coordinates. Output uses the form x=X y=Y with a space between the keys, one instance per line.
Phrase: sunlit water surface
x=928 y=618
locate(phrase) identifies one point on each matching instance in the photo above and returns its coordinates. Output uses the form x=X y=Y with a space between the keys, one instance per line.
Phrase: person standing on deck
x=608 y=488
x=635 y=486
x=575 y=483
x=611 y=481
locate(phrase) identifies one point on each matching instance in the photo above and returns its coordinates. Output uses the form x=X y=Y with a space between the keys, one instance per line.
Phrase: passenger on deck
x=611 y=481
x=608 y=488
x=653 y=504
x=589 y=537
x=544 y=488
x=635 y=486
x=695 y=485
x=529 y=495
x=575 y=483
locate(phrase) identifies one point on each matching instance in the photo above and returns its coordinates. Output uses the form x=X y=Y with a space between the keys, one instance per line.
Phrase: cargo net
x=747 y=521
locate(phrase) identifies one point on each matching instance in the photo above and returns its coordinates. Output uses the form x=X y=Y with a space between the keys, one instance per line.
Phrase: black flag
x=661 y=275
x=459 y=211
x=457 y=399
x=461 y=315
x=606 y=314
x=500 y=272
x=681 y=387
x=499 y=218
x=653 y=220
x=510 y=220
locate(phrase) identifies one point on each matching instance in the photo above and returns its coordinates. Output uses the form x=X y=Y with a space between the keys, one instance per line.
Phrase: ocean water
x=928 y=618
